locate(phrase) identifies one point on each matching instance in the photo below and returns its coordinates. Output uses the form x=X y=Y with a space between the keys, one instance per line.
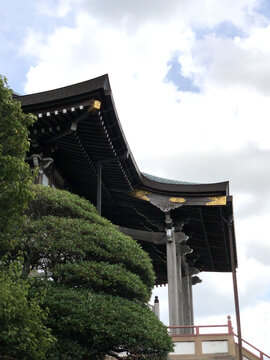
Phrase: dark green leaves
x=61 y=240
x=114 y=279
x=23 y=334
x=15 y=175
x=98 y=323
x=97 y=281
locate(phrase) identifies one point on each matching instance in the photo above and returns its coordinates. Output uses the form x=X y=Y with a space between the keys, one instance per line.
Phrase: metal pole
x=235 y=290
x=99 y=186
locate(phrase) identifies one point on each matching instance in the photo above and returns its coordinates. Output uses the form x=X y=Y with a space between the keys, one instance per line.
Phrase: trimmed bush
x=97 y=281
x=62 y=240
x=97 y=324
x=102 y=277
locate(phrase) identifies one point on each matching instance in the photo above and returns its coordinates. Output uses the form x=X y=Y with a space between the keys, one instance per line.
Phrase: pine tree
x=23 y=334
x=98 y=281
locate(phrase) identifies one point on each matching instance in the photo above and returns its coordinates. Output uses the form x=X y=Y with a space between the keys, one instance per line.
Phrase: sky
x=191 y=83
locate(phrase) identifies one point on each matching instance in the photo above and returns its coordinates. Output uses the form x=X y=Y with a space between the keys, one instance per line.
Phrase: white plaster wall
x=185 y=347
x=215 y=347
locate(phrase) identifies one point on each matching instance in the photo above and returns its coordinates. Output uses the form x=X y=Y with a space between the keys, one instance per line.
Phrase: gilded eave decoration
x=179 y=201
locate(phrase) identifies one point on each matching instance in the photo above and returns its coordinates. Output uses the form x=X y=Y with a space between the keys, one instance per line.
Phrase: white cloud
x=207 y=13
x=53 y=8
x=255 y=322
x=33 y=44
x=238 y=61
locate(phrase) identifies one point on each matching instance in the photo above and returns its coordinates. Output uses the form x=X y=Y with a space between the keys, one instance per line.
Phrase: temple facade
x=78 y=144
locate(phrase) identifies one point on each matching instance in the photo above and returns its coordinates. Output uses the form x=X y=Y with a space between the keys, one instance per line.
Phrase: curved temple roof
x=77 y=134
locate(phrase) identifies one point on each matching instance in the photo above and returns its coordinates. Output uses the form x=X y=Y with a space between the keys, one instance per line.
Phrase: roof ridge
x=168 y=181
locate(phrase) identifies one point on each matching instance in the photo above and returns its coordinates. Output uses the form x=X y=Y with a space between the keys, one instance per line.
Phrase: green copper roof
x=168 y=181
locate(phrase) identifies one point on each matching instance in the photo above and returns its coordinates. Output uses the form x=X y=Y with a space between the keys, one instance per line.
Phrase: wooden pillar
x=99 y=187
x=191 y=302
x=179 y=285
x=37 y=162
x=186 y=301
x=186 y=289
x=172 y=274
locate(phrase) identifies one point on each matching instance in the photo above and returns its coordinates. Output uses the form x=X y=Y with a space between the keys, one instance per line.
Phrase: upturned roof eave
x=101 y=84
x=63 y=93
x=221 y=188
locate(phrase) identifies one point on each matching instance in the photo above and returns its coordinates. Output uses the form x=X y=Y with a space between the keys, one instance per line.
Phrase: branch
x=113 y=354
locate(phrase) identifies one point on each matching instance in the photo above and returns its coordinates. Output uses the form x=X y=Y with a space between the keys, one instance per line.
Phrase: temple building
x=78 y=144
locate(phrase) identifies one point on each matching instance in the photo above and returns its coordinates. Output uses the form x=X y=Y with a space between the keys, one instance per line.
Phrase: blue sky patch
x=264 y=8
x=226 y=29
x=175 y=76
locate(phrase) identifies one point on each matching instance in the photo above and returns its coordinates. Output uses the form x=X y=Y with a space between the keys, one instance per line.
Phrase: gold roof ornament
x=179 y=200
x=140 y=194
x=217 y=200
x=94 y=105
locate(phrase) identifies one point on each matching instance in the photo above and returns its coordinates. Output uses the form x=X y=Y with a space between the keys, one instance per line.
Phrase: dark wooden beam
x=157 y=238
x=207 y=240
x=70 y=129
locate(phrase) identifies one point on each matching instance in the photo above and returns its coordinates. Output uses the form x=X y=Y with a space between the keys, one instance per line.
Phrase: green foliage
x=96 y=324
x=111 y=278
x=23 y=334
x=53 y=240
x=61 y=239
x=22 y=331
x=15 y=175
x=48 y=201
x=97 y=280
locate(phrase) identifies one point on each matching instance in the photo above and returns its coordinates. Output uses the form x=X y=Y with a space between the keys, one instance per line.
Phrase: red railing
x=261 y=356
x=196 y=332
x=196 y=328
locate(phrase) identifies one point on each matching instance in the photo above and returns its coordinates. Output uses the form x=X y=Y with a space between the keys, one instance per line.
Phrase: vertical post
x=99 y=186
x=230 y=328
x=38 y=164
x=191 y=302
x=235 y=289
x=179 y=284
x=99 y=177
x=172 y=273
x=156 y=307
x=187 y=315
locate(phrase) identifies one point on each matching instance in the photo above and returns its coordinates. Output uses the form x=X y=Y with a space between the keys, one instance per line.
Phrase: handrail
x=194 y=326
x=262 y=354
x=229 y=332
x=197 y=327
